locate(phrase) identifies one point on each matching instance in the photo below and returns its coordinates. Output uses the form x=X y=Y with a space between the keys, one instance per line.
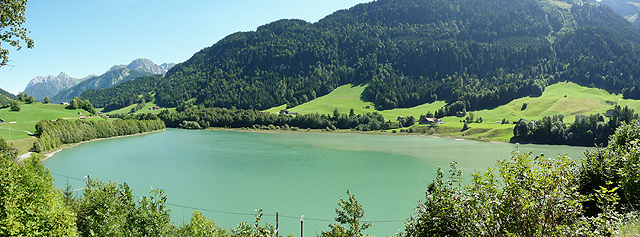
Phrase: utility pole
x=302 y=226
x=277 y=228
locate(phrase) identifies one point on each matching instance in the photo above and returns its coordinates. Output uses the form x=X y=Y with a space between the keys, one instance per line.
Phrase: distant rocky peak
x=61 y=78
x=63 y=75
x=167 y=66
x=145 y=65
x=117 y=67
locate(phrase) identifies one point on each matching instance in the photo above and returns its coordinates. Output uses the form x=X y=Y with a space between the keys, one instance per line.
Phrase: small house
x=65 y=103
x=461 y=113
x=284 y=111
x=1 y=120
x=79 y=113
x=367 y=107
x=430 y=121
x=82 y=117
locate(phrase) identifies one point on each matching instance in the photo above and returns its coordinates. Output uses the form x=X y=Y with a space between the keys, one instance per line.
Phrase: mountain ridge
x=50 y=86
x=41 y=87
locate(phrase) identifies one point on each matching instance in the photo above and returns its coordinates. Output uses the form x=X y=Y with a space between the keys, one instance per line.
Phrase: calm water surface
x=227 y=174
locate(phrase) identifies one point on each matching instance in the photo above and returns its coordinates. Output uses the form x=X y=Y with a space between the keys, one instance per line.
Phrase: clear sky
x=83 y=37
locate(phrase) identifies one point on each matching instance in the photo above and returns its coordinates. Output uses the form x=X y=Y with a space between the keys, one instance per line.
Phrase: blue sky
x=83 y=37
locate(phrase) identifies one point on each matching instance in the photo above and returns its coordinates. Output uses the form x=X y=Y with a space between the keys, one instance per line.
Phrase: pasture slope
x=565 y=98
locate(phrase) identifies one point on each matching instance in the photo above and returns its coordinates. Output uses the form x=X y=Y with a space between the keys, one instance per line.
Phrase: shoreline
x=320 y=131
x=48 y=154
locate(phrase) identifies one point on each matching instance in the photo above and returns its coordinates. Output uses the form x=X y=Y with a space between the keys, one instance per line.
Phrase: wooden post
x=277 y=228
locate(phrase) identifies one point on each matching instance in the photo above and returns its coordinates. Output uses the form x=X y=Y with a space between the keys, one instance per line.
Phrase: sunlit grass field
x=565 y=98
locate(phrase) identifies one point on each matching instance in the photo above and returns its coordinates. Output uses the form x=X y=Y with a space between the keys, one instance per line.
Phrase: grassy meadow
x=145 y=109
x=565 y=98
x=19 y=126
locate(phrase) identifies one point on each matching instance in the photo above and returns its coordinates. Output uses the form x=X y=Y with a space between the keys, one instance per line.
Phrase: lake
x=227 y=175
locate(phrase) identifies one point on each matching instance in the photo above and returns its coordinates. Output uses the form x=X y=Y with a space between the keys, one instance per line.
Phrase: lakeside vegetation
x=199 y=117
x=53 y=134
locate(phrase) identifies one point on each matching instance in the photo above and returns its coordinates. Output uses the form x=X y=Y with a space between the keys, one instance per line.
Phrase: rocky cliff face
x=114 y=76
x=145 y=65
x=41 y=87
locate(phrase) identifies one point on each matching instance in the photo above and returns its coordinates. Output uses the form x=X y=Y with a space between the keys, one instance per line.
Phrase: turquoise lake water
x=227 y=175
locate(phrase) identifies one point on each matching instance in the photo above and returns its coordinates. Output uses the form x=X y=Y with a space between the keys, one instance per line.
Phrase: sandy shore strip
x=48 y=154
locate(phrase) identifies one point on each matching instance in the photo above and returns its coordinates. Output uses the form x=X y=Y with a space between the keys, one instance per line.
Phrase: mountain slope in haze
x=629 y=9
x=41 y=87
x=474 y=54
x=114 y=76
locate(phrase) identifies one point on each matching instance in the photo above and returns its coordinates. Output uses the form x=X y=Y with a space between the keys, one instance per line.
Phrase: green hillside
x=578 y=100
x=145 y=109
x=347 y=97
x=23 y=122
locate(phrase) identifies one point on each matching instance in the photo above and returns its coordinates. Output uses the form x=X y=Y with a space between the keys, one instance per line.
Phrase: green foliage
x=255 y=230
x=11 y=30
x=47 y=100
x=350 y=213
x=53 y=134
x=526 y=196
x=190 y=125
x=584 y=131
x=15 y=105
x=615 y=167
x=30 y=205
x=109 y=209
x=200 y=226
x=24 y=97
x=7 y=150
x=465 y=127
x=124 y=94
x=188 y=117
x=77 y=103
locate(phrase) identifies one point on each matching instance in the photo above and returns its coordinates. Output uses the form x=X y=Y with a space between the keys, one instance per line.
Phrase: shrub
x=30 y=205
x=527 y=196
x=615 y=167
x=15 y=105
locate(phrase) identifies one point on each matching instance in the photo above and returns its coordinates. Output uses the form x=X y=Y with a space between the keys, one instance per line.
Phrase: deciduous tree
x=11 y=29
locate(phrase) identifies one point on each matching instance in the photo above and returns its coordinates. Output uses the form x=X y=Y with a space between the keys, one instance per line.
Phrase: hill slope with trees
x=474 y=54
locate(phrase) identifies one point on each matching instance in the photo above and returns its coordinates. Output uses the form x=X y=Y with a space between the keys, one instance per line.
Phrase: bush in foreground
x=526 y=196
x=29 y=203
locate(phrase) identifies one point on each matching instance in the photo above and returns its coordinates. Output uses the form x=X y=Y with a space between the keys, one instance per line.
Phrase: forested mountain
x=472 y=53
x=123 y=95
x=6 y=98
x=116 y=75
x=41 y=87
